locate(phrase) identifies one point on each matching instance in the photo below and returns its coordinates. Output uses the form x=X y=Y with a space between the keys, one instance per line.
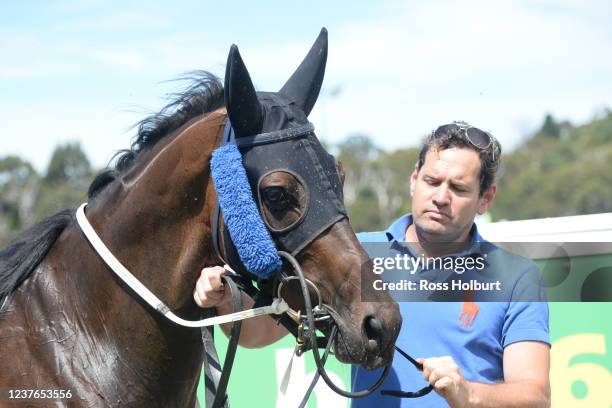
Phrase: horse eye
x=275 y=196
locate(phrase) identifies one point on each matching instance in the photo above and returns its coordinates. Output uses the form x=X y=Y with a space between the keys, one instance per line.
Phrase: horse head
x=298 y=188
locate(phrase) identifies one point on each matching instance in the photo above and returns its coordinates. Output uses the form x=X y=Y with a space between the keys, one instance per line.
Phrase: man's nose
x=442 y=196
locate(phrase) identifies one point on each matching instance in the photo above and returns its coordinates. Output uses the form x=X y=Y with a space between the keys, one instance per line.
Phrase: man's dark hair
x=461 y=135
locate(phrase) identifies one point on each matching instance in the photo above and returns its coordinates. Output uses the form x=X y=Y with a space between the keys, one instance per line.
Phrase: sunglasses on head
x=478 y=138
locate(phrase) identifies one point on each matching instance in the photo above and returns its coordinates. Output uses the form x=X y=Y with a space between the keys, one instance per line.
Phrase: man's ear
x=413 y=179
x=486 y=200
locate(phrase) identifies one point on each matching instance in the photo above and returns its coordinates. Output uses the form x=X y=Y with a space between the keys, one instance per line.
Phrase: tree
x=358 y=147
x=549 y=177
x=26 y=198
x=18 y=192
x=357 y=153
x=364 y=212
x=393 y=184
x=68 y=164
x=550 y=128
x=65 y=183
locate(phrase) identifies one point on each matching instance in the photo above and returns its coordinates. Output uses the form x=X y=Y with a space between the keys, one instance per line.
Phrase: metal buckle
x=320 y=312
x=299 y=340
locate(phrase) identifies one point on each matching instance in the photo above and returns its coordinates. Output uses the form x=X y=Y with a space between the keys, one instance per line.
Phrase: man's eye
x=275 y=196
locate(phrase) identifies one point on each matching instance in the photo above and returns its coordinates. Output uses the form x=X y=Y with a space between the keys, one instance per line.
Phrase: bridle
x=313 y=339
x=303 y=328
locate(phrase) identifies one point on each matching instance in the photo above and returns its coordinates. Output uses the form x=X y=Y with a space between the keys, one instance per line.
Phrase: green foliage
x=26 y=198
x=53 y=198
x=364 y=211
x=18 y=183
x=15 y=172
x=548 y=177
x=550 y=128
x=561 y=170
x=68 y=165
x=377 y=183
x=356 y=148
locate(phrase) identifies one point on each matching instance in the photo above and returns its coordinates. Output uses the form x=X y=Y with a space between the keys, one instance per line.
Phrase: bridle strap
x=315 y=378
x=409 y=394
x=215 y=235
x=228 y=137
x=278 y=306
x=276 y=136
x=313 y=338
x=221 y=392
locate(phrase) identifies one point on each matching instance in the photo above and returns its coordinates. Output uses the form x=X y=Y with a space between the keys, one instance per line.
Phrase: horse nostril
x=374 y=332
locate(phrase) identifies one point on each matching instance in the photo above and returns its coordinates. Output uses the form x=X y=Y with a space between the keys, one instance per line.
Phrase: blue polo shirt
x=434 y=329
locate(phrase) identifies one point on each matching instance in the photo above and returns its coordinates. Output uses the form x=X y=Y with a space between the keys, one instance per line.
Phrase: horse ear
x=241 y=101
x=305 y=83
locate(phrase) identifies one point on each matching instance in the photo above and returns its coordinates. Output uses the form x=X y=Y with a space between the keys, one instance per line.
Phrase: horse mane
x=19 y=259
x=204 y=94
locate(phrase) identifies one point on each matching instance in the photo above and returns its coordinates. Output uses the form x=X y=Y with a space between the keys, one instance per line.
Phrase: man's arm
x=257 y=331
x=526 y=379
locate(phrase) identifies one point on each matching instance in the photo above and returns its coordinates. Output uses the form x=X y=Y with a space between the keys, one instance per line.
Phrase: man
x=475 y=354
x=488 y=354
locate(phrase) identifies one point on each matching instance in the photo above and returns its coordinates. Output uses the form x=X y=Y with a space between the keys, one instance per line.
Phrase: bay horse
x=68 y=323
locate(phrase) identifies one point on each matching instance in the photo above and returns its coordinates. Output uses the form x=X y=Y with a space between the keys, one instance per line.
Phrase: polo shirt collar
x=397 y=232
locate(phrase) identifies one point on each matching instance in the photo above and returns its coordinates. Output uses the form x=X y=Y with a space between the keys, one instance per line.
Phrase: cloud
x=500 y=65
x=496 y=64
x=33 y=131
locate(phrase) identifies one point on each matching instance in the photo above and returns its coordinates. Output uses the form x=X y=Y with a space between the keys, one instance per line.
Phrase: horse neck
x=157 y=219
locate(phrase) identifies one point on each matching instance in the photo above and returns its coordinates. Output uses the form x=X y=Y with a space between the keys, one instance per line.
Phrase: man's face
x=445 y=194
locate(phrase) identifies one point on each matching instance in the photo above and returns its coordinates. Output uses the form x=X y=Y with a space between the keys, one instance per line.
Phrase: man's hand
x=526 y=384
x=256 y=332
x=210 y=290
x=446 y=377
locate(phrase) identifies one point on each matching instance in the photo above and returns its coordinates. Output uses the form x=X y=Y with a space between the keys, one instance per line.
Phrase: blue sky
x=87 y=70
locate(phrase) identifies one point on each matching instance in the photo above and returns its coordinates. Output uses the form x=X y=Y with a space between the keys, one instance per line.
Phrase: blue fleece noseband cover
x=240 y=213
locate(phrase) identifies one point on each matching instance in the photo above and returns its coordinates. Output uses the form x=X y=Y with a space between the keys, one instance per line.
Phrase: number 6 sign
x=564 y=374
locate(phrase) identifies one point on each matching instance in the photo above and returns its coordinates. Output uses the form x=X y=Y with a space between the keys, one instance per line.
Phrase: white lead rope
x=278 y=306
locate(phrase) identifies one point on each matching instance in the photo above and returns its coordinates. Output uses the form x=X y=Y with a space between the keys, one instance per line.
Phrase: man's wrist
x=473 y=396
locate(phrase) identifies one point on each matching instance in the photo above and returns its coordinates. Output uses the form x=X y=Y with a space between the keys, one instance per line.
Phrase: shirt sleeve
x=527 y=316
